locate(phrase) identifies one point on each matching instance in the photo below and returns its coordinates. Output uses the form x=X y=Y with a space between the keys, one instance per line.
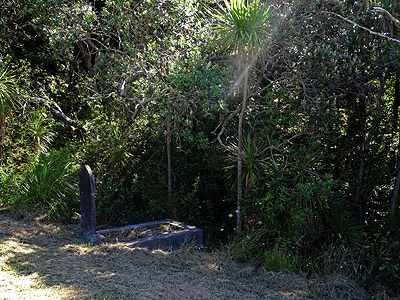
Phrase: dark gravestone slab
x=188 y=235
x=87 y=230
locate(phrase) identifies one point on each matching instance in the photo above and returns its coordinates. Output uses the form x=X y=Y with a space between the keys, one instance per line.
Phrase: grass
x=44 y=261
x=19 y=267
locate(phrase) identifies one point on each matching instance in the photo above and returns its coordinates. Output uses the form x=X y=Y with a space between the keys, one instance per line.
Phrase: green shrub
x=381 y=255
x=343 y=229
x=117 y=202
x=251 y=247
x=51 y=186
x=280 y=260
x=8 y=181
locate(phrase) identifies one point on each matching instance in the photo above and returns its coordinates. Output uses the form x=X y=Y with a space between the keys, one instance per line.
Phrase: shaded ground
x=39 y=261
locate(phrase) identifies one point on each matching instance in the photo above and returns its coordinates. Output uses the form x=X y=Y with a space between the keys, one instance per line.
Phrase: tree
x=242 y=28
x=8 y=100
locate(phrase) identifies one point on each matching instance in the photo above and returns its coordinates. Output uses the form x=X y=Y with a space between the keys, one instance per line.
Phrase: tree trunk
x=240 y=154
x=169 y=158
x=2 y=133
x=358 y=207
x=395 y=191
x=396 y=103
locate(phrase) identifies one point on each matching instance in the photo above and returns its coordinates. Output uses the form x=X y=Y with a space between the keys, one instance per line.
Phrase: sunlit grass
x=19 y=279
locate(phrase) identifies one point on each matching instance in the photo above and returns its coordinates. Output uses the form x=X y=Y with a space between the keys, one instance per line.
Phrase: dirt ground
x=42 y=261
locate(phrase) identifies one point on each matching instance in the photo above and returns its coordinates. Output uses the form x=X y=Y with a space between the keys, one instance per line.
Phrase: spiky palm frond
x=242 y=26
x=8 y=90
x=251 y=165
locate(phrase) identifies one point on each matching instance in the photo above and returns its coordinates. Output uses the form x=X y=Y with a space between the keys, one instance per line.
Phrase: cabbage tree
x=242 y=28
x=8 y=101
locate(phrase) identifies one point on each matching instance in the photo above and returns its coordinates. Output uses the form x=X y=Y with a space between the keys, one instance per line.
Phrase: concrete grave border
x=87 y=232
x=188 y=235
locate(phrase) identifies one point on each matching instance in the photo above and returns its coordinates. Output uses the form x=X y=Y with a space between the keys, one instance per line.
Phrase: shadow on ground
x=62 y=266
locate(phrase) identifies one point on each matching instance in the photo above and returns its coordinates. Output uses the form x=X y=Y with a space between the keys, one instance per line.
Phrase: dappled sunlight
x=158 y=251
x=105 y=275
x=236 y=84
x=31 y=287
x=12 y=246
x=213 y=267
x=46 y=262
x=19 y=278
x=292 y=295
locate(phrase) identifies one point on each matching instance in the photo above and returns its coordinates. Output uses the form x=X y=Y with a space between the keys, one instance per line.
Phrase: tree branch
x=380 y=9
x=362 y=27
x=127 y=80
x=223 y=124
x=58 y=113
x=138 y=108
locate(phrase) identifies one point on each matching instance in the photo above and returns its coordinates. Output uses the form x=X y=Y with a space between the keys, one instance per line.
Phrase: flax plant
x=242 y=28
x=8 y=100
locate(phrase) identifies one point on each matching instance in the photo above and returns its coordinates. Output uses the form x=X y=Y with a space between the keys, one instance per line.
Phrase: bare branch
x=89 y=41
x=362 y=27
x=223 y=124
x=127 y=80
x=380 y=9
x=58 y=113
x=261 y=90
x=138 y=107
x=223 y=129
x=101 y=96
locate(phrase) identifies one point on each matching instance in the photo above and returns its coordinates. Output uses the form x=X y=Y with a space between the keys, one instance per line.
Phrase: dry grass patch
x=47 y=262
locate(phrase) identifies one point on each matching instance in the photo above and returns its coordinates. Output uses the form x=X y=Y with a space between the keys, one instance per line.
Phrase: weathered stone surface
x=87 y=230
x=92 y=238
x=189 y=235
x=88 y=208
x=171 y=241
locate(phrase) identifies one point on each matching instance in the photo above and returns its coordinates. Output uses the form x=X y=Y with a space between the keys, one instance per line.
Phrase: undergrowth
x=49 y=185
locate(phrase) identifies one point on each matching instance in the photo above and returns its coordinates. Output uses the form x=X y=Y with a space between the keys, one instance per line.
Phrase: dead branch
x=138 y=107
x=101 y=96
x=58 y=113
x=362 y=27
x=380 y=9
x=223 y=129
x=223 y=124
x=127 y=80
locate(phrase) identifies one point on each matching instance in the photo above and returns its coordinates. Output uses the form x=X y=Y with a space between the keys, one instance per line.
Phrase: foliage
x=50 y=186
x=114 y=195
x=8 y=90
x=320 y=121
x=251 y=165
x=242 y=26
x=278 y=260
x=250 y=247
x=9 y=179
x=344 y=229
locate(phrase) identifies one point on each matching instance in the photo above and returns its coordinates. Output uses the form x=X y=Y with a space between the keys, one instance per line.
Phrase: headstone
x=87 y=230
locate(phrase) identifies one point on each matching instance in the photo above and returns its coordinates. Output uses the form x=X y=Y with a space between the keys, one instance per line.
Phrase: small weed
x=104 y=295
x=249 y=248
x=279 y=260
x=381 y=296
x=56 y=279
x=166 y=227
x=21 y=268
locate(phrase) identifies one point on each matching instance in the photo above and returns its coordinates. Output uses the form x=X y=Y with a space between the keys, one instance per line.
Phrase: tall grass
x=51 y=186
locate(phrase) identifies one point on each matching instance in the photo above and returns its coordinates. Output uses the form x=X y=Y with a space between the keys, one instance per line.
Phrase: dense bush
x=50 y=185
x=126 y=86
